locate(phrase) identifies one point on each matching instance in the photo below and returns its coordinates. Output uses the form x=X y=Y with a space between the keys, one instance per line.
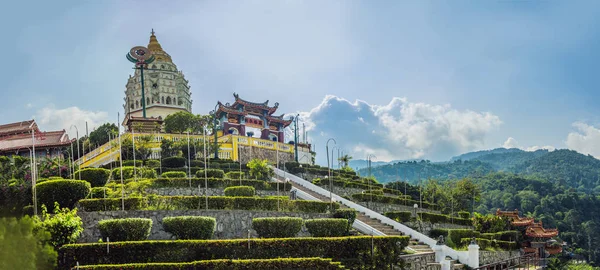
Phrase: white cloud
x=585 y=140
x=513 y=143
x=28 y=106
x=51 y=118
x=510 y=143
x=398 y=130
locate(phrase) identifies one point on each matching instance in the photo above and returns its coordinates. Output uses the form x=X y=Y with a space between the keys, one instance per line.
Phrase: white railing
x=462 y=256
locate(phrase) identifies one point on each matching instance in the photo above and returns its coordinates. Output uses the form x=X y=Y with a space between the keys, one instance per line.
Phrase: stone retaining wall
x=488 y=257
x=426 y=227
x=386 y=207
x=230 y=223
x=418 y=261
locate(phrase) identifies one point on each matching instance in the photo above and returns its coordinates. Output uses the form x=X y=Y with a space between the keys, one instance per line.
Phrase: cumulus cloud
x=513 y=143
x=399 y=129
x=51 y=118
x=510 y=143
x=586 y=139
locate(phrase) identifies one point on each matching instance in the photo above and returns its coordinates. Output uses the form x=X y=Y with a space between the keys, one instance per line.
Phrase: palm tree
x=345 y=159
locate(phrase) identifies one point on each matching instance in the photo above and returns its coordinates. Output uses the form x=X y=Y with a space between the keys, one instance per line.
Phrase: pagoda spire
x=157 y=50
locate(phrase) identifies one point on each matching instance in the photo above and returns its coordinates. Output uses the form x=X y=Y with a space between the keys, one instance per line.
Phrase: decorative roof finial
x=152 y=32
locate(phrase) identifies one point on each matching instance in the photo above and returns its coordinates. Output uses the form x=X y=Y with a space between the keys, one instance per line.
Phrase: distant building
x=17 y=139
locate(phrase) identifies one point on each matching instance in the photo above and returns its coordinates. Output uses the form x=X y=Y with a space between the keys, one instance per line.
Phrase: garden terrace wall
x=488 y=257
x=217 y=183
x=418 y=261
x=386 y=207
x=230 y=223
x=283 y=263
x=426 y=227
x=211 y=192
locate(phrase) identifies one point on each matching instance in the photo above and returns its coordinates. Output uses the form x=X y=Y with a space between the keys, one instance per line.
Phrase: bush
x=455 y=235
x=240 y=191
x=138 y=163
x=347 y=213
x=483 y=243
x=464 y=214
x=218 y=183
x=14 y=198
x=24 y=247
x=211 y=173
x=277 y=227
x=153 y=163
x=462 y=221
x=314 y=206
x=126 y=229
x=110 y=204
x=197 y=163
x=400 y=216
x=363 y=197
x=435 y=233
x=98 y=192
x=96 y=176
x=128 y=173
x=260 y=169
x=327 y=227
x=173 y=175
x=353 y=252
x=65 y=192
x=235 y=175
x=173 y=162
x=190 y=227
x=377 y=192
x=433 y=218
x=64 y=226
x=252 y=264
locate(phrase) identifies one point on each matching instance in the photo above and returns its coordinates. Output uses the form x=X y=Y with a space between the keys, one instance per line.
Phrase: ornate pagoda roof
x=279 y=119
x=263 y=105
x=516 y=220
x=18 y=127
x=553 y=249
x=538 y=231
x=227 y=109
x=157 y=50
x=43 y=140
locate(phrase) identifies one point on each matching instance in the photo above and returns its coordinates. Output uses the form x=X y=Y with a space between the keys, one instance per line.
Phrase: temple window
x=131 y=106
x=137 y=104
x=147 y=100
x=163 y=100
x=168 y=100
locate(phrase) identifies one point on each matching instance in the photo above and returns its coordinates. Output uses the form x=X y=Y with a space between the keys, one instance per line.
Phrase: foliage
x=64 y=225
x=400 y=216
x=277 y=227
x=190 y=227
x=218 y=183
x=435 y=233
x=138 y=163
x=235 y=175
x=96 y=176
x=153 y=163
x=260 y=169
x=464 y=214
x=65 y=192
x=173 y=162
x=13 y=197
x=183 y=121
x=212 y=173
x=99 y=136
x=24 y=247
x=456 y=235
x=353 y=252
x=345 y=159
x=439 y=218
x=347 y=213
x=126 y=229
x=240 y=191
x=252 y=264
x=490 y=223
x=486 y=243
x=128 y=173
x=173 y=175
x=365 y=197
x=327 y=227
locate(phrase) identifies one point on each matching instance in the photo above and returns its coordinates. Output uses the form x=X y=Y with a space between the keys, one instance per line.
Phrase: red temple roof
x=43 y=140
x=556 y=249
x=263 y=105
x=279 y=119
x=18 y=127
x=538 y=231
x=516 y=220
x=229 y=110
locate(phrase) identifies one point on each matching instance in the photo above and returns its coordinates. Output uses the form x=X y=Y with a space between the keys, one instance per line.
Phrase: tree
x=22 y=247
x=260 y=169
x=99 y=136
x=345 y=159
x=64 y=225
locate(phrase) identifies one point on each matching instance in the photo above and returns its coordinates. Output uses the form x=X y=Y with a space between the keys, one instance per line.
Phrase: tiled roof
x=18 y=127
x=44 y=139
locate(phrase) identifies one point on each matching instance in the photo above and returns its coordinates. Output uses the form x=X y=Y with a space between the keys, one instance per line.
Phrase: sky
x=397 y=79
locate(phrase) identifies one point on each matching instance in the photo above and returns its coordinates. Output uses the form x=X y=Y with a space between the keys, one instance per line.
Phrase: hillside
x=476 y=154
x=503 y=161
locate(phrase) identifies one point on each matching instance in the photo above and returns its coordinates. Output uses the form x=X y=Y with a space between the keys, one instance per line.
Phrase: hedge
x=400 y=216
x=327 y=227
x=125 y=229
x=173 y=175
x=502 y=236
x=252 y=264
x=138 y=163
x=212 y=173
x=391 y=200
x=485 y=243
x=128 y=173
x=97 y=177
x=455 y=235
x=98 y=192
x=190 y=227
x=376 y=192
x=65 y=192
x=435 y=233
x=240 y=191
x=153 y=163
x=346 y=183
x=218 y=183
x=195 y=170
x=433 y=218
x=347 y=213
x=464 y=214
x=353 y=252
x=235 y=175
x=199 y=202
x=173 y=162
x=277 y=227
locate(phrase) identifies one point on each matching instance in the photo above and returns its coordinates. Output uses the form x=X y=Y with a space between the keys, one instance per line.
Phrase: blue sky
x=400 y=79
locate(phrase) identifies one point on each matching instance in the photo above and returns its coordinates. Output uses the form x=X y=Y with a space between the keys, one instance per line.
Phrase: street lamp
x=215 y=130
x=205 y=168
x=77 y=140
x=415 y=206
x=189 y=159
x=369 y=164
x=329 y=172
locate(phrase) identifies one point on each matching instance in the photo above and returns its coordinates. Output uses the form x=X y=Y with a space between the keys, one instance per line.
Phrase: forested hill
x=476 y=154
x=424 y=169
x=505 y=161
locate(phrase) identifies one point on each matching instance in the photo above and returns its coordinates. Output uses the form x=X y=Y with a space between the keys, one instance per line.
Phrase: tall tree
x=99 y=136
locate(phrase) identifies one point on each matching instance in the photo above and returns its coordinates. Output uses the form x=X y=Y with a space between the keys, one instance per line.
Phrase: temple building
x=165 y=88
x=536 y=240
x=252 y=119
x=16 y=139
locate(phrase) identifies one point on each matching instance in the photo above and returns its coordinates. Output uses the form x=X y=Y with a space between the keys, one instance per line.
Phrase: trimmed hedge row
x=327 y=227
x=173 y=162
x=254 y=264
x=194 y=170
x=138 y=163
x=439 y=218
x=351 y=251
x=65 y=192
x=347 y=213
x=125 y=229
x=435 y=233
x=346 y=184
x=97 y=177
x=212 y=173
x=277 y=227
x=464 y=214
x=400 y=216
x=503 y=236
x=128 y=173
x=218 y=183
x=456 y=235
x=363 y=197
x=235 y=175
x=198 y=202
x=240 y=191
x=190 y=227
x=485 y=243
x=173 y=175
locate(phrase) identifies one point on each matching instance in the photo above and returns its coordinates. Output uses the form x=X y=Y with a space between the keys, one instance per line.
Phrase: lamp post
x=121 y=166
x=189 y=159
x=205 y=173
x=141 y=57
x=370 y=189
x=215 y=131
x=420 y=189
x=77 y=140
x=329 y=172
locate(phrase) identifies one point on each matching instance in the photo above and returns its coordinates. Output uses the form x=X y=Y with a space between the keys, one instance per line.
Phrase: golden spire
x=157 y=50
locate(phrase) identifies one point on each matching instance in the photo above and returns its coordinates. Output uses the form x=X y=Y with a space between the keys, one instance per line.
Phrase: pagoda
x=538 y=240
x=251 y=119
x=166 y=91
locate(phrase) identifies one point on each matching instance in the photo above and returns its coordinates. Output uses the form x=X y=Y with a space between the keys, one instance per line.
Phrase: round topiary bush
x=348 y=214
x=153 y=163
x=126 y=229
x=234 y=175
x=128 y=173
x=277 y=227
x=190 y=227
x=65 y=192
x=138 y=163
x=211 y=173
x=240 y=191
x=327 y=227
x=173 y=175
x=96 y=176
x=173 y=162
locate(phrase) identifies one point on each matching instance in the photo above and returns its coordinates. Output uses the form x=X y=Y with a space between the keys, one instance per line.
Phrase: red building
x=16 y=139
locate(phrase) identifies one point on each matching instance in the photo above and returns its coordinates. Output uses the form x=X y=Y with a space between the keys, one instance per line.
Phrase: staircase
x=413 y=245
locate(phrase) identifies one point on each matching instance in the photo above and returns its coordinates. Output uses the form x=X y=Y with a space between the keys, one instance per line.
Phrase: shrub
x=14 y=198
x=197 y=163
x=211 y=173
x=510 y=236
x=464 y=214
x=433 y=218
x=65 y=226
x=65 y=192
x=363 y=197
x=280 y=263
x=98 y=192
x=377 y=192
x=260 y=169
x=110 y=204
x=277 y=227
x=23 y=246
x=240 y=191
x=347 y=213
x=96 y=176
x=235 y=175
x=190 y=227
x=483 y=243
x=400 y=216
x=455 y=235
x=126 y=229
x=138 y=163
x=435 y=233
x=218 y=183
x=128 y=173
x=173 y=175
x=173 y=162
x=327 y=227
x=353 y=252
x=314 y=206
x=153 y=163
x=462 y=221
